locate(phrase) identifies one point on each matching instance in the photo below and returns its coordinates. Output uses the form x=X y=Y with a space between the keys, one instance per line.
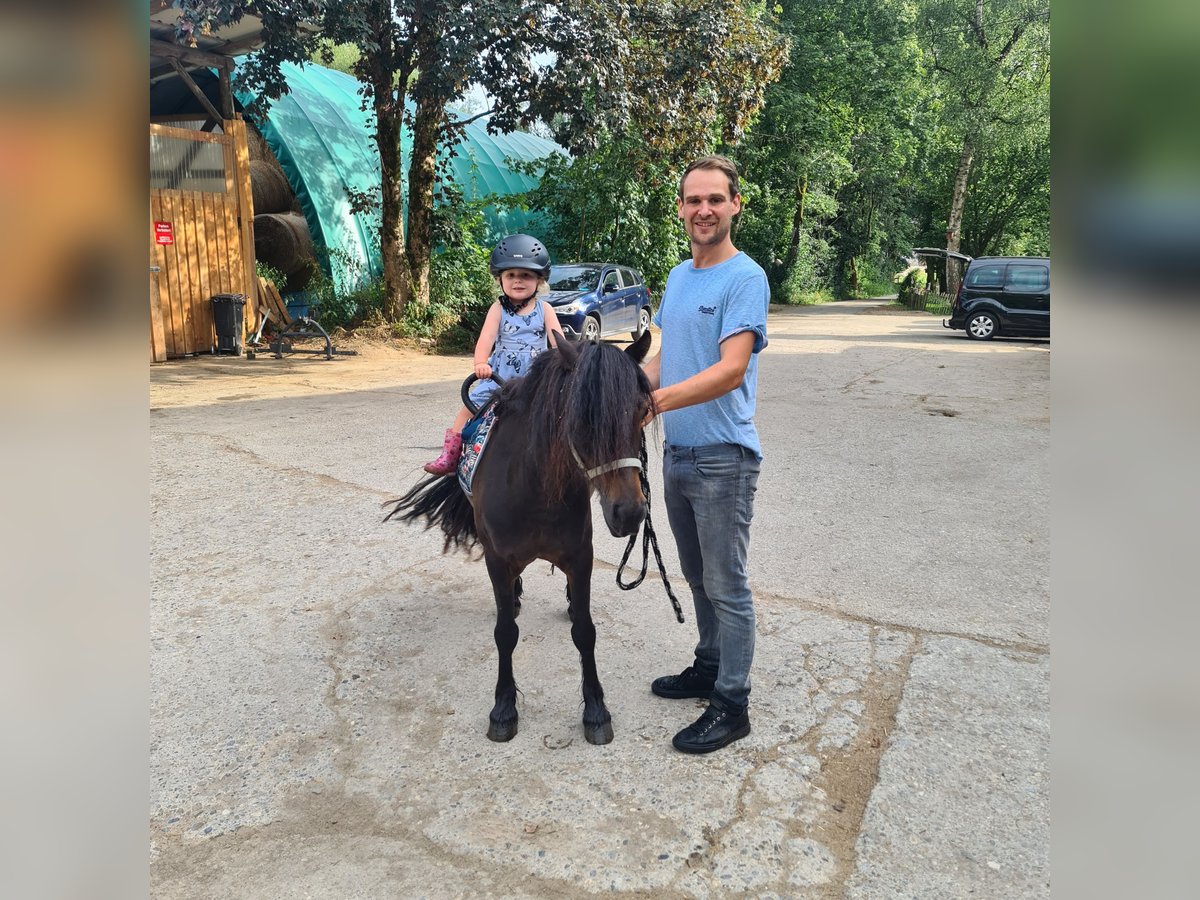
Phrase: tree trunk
x=391 y=230
x=957 y=202
x=422 y=174
x=797 y=223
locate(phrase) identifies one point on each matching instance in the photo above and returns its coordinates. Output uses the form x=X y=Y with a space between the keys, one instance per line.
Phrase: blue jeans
x=709 y=493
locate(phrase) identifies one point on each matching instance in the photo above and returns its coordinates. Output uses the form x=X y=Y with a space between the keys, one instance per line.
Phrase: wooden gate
x=201 y=233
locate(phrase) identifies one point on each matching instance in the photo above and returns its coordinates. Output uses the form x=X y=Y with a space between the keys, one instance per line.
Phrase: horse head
x=609 y=398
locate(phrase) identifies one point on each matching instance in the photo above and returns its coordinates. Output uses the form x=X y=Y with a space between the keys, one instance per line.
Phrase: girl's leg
x=451 y=447
x=460 y=420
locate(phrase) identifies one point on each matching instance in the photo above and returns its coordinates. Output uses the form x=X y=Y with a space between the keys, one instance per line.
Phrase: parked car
x=599 y=300
x=1003 y=295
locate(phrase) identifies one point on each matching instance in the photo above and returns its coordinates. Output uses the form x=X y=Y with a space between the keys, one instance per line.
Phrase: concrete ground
x=321 y=680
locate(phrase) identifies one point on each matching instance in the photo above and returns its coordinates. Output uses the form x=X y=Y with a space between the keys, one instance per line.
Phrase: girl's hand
x=483 y=371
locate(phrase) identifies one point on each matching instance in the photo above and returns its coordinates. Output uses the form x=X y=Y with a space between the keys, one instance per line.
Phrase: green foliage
x=347 y=308
x=682 y=75
x=911 y=279
x=340 y=57
x=270 y=273
x=847 y=118
x=875 y=284
x=614 y=205
x=461 y=286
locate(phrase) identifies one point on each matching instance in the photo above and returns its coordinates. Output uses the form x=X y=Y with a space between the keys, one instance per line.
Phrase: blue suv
x=599 y=300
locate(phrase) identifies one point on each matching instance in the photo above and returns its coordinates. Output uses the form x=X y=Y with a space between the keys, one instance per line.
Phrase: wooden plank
x=236 y=128
x=177 y=272
x=276 y=303
x=281 y=305
x=192 y=285
x=192 y=56
x=236 y=269
x=209 y=259
x=214 y=212
x=191 y=85
x=162 y=212
x=268 y=299
x=196 y=267
x=158 y=338
x=186 y=134
x=226 y=94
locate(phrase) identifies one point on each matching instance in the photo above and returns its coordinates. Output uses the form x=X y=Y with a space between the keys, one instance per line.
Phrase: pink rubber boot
x=451 y=451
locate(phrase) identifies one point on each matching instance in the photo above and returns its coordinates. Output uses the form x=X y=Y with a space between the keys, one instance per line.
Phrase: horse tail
x=440 y=501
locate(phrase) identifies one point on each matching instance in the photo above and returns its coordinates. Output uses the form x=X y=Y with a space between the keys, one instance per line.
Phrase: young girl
x=515 y=331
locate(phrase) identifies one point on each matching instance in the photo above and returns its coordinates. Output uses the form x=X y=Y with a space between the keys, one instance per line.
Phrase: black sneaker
x=688 y=683
x=713 y=730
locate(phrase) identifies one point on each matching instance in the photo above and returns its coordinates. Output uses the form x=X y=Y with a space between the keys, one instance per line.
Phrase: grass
x=804 y=298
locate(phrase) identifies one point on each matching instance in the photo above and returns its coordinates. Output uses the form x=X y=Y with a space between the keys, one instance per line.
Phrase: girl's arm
x=487 y=340
x=553 y=329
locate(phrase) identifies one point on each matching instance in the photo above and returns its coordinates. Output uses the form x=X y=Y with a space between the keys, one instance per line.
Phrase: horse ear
x=639 y=348
x=569 y=353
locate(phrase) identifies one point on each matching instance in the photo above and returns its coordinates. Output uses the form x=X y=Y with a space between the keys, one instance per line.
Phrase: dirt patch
x=375 y=363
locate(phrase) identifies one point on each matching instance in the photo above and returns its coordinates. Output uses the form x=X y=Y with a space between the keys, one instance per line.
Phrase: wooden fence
x=201 y=233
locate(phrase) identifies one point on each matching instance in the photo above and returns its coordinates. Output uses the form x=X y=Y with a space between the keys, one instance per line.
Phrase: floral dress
x=520 y=339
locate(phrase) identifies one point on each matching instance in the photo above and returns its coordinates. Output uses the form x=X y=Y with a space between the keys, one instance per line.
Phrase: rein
x=649 y=538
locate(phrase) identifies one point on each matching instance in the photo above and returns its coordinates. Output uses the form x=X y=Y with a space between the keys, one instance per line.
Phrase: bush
x=461 y=288
x=344 y=308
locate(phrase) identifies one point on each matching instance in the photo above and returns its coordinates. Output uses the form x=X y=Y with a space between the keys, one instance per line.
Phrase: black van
x=1003 y=295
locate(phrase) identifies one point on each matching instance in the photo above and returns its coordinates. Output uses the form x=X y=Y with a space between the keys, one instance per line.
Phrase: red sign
x=164 y=233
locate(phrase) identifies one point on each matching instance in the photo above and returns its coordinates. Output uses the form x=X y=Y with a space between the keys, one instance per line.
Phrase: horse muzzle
x=623 y=518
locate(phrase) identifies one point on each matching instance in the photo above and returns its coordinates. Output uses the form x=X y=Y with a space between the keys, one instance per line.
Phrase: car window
x=630 y=278
x=1028 y=279
x=612 y=279
x=573 y=278
x=986 y=276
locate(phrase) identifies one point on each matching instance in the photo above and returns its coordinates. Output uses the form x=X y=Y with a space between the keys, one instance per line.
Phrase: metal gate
x=202 y=242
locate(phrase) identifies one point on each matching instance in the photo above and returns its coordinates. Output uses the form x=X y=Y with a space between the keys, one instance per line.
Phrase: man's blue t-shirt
x=701 y=308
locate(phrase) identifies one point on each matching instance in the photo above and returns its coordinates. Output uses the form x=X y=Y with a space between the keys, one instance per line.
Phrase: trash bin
x=228 y=310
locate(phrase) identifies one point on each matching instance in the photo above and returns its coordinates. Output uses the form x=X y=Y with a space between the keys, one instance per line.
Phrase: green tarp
x=324 y=141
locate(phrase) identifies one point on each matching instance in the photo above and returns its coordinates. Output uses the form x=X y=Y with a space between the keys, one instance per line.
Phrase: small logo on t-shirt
x=708 y=310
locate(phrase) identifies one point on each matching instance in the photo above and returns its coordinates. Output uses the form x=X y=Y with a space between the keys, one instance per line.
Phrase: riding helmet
x=520 y=251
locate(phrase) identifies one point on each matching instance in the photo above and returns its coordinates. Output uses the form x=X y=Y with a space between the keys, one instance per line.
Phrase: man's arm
x=653 y=368
x=720 y=378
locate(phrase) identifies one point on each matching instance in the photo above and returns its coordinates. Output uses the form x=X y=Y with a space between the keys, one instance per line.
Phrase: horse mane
x=592 y=397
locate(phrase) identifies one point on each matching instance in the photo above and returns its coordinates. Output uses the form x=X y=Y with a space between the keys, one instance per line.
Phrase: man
x=713 y=318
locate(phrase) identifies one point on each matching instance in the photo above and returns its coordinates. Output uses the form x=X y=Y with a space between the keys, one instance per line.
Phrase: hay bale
x=282 y=240
x=269 y=188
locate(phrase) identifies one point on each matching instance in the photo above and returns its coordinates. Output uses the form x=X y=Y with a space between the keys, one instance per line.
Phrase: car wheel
x=643 y=323
x=982 y=326
x=591 y=329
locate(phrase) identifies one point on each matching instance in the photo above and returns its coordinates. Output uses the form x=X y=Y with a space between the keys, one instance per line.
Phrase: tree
x=988 y=57
x=586 y=66
x=704 y=72
x=836 y=134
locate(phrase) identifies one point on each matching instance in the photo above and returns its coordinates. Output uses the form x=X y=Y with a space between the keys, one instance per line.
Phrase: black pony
x=572 y=425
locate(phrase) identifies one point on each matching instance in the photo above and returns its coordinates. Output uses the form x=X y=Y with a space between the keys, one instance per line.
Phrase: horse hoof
x=506 y=732
x=598 y=734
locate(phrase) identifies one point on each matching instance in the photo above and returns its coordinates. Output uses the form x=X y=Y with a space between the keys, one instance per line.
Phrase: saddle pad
x=475 y=436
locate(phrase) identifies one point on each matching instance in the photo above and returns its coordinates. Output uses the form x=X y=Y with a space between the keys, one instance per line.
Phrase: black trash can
x=228 y=310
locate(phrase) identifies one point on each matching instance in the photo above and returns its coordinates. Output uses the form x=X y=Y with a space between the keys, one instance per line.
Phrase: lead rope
x=649 y=539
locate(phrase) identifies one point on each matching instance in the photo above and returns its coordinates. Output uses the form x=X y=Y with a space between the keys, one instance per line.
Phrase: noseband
x=627 y=463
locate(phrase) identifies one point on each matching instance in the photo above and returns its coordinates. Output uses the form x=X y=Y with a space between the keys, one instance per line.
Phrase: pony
x=570 y=426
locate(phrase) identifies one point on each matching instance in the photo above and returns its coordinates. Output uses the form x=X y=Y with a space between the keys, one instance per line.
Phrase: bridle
x=627 y=462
